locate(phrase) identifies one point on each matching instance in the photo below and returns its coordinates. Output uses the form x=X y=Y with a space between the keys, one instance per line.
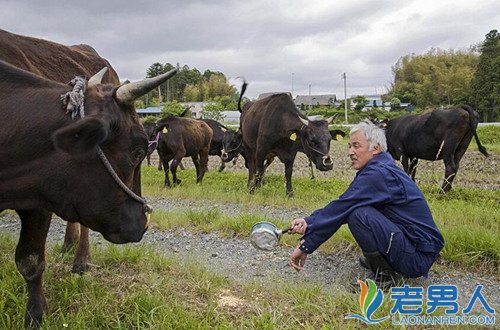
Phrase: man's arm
x=368 y=188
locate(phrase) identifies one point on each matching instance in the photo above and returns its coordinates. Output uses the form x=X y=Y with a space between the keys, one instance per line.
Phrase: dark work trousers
x=374 y=232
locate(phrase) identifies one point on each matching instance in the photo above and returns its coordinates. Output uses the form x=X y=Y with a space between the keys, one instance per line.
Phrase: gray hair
x=373 y=133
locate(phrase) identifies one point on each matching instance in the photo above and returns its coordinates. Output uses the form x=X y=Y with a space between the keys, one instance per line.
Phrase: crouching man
x=386 y=213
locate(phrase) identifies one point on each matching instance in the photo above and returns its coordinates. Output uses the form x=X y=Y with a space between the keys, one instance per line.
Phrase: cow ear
x=81 y=136
x=162 y=128
x=293 y=134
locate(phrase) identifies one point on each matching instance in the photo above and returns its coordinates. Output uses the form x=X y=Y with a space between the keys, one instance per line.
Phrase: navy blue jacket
x=386 y=187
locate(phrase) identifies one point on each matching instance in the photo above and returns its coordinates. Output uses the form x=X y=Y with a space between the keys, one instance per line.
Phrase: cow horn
x=330 y=120
x=129 y=92
x=97 y=78
x=304 y=121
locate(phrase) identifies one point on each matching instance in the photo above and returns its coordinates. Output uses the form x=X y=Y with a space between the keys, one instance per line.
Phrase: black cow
x=440 y=134
x=59 y=63
x=273 y=126
x=50 y=162
x=183 y=137
x=153 y=136
x=216 y=145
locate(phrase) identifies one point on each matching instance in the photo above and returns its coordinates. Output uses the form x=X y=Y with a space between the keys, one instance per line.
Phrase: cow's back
x=272 y=115
x=52 y=60
x=424 y=136
x=193 y=135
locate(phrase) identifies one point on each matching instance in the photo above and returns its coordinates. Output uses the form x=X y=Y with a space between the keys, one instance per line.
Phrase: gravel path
x=236 y=259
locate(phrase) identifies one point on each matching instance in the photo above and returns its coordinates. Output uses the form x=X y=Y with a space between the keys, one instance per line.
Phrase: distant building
x=327 y=100
x=196 y=107
x=150 y=111
x=374 y=101
x=231 y=117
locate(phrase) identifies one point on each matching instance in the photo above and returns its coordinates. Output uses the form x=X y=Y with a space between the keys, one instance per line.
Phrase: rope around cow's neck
x=73 y=101
x=155 y=141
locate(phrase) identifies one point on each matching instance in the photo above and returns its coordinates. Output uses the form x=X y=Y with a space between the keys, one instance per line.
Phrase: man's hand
x=298 y=226
x=298 y=259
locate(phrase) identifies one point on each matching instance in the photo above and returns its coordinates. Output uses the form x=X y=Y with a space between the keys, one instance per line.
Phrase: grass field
x=135 y=287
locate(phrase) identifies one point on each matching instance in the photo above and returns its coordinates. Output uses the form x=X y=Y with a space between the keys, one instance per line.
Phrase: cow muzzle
x=224 y=155
x=327 y=161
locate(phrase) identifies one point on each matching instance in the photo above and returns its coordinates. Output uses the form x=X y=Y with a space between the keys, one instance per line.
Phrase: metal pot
x=265 y=235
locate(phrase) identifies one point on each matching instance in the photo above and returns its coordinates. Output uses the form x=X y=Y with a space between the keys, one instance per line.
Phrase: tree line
x=435 y=79
x=189 y=85
x=448 y=78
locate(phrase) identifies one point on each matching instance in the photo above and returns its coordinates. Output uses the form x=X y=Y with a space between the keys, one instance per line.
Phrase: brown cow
x=84 y=169
x=273 y=126
x=59 y=63
x=183 y=137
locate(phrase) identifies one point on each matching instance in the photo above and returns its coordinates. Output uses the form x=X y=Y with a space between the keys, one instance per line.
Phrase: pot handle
x=284 y=231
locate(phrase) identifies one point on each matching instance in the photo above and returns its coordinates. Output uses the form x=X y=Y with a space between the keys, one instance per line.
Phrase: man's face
x=359 y=150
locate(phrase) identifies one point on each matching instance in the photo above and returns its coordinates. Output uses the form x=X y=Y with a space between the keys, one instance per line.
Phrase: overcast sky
x=271 y=43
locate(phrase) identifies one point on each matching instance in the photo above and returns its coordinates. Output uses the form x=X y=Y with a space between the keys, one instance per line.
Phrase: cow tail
x=243 y=89
x=473 y=120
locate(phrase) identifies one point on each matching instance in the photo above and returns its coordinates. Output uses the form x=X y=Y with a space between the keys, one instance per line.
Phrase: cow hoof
x=80 y=268
x=177 y=182
x=289 y=194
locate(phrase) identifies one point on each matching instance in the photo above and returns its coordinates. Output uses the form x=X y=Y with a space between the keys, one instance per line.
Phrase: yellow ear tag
x=293 y=137
x=165 y=130
x=338 y=137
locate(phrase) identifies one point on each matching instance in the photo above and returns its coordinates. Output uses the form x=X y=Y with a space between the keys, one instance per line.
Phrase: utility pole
x=310 y=98
x=345 y=96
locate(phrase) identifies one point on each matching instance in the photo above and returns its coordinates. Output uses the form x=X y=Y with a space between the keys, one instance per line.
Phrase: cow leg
x=160 y=163
x=30 y=260
x=412 y=168
x=222 y=166
x=203 y=164
x=71 y=237
x=196 y=162
x=250 y=161
x=311 y=166
x=166 y=168
x=260 y=169
x=451 y=168
x=148 y=158
x=82 y=255
x=405 y=163
x=288 y=177
x=173 y=168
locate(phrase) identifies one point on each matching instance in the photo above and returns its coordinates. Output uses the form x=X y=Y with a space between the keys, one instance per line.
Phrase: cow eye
x=138 y=154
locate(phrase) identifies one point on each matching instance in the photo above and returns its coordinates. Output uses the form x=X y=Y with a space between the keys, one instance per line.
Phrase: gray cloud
x=264 y=41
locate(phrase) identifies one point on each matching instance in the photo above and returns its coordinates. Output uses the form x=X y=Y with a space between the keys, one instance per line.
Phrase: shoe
x=364 y=263
x=382 y=273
